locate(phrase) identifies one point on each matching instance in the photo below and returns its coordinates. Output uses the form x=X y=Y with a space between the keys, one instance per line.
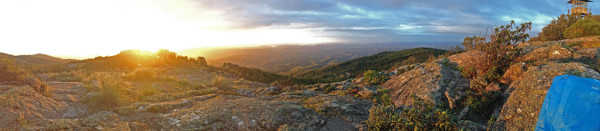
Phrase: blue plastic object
x=572 y=103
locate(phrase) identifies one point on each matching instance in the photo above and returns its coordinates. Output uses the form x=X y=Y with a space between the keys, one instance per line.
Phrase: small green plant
x=491 y=121
x=372 y=77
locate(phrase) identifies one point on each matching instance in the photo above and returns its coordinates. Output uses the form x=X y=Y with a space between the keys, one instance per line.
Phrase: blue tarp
x=572 y=103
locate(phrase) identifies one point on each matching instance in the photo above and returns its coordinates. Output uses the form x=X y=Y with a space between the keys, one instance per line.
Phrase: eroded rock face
x=552 y=50
x=522 y=108
x=436 y=82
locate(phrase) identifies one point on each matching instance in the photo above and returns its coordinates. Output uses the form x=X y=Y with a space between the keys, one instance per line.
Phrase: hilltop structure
x=579 y=7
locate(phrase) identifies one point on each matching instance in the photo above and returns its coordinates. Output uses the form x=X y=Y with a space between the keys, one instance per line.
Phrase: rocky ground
x=523 y=86
x=245 y=105
x=345 y=105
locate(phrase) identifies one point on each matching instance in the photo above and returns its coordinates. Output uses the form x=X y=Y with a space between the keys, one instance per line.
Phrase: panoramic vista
x=339 y=65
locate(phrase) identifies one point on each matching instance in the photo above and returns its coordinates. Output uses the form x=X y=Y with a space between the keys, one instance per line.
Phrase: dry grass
x=110 y=89
x=141 y=74
x=219 y=82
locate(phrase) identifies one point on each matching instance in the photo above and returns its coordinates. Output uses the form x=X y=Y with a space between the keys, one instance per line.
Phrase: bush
x=9 y=71
x=499 y=49
x=372 y=77
x=421 y=116
x=554 y=30
x=110 y=91
x=582 y=28
x=382 y=118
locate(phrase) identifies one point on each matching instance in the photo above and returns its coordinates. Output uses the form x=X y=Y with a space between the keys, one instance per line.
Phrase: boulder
x=591 y=53
x=551 y=51
x=513 y=73
x=521 y=110
x=468 y=59
x=434 y=82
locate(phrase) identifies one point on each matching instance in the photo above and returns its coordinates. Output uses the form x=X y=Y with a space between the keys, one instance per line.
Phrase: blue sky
x=90 y=28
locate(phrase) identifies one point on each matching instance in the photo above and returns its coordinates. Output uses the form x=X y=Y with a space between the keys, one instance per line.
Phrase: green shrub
x=582 y=28
x=382 y=118
x=373 y=77
x=554 y=30
x=499 y=50
x=421 y=116
x=468 y=73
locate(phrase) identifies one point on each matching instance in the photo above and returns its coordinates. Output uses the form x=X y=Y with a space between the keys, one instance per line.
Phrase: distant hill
x=380 y=61
x=35 y=60
x=293 y=58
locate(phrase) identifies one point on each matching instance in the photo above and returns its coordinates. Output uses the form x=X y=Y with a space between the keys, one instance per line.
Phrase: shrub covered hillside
x=570 y=26
x=9 y=71
x=130 y=59
x=379 y=61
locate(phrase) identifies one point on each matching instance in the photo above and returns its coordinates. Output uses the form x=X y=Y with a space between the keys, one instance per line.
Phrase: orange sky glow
x=87 y=28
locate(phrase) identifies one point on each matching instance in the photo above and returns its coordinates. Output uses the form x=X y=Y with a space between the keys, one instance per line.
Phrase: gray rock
x=527 y=94
x=429 y=82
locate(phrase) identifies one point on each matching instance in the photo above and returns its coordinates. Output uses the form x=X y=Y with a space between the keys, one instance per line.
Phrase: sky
x=105 y=27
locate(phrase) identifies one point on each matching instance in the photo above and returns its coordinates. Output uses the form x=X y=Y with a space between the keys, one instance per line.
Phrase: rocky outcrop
x=590 y=53
x=552 y=51
x=23 y=105
x=438 y=82
x=513 y=73
x=468 y=59
x=521 y=110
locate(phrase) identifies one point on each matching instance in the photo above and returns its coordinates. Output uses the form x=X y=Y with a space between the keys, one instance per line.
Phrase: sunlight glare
x=105 y=27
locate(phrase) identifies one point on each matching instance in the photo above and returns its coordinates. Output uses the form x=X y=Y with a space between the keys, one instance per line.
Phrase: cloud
x=388 y=18
x=105 y=26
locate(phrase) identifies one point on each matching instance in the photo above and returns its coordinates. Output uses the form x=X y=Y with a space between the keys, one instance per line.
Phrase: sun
x=101 y=28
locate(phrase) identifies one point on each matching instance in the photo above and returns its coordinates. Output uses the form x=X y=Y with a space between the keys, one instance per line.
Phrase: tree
x=582 y=28
x=554 y=30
